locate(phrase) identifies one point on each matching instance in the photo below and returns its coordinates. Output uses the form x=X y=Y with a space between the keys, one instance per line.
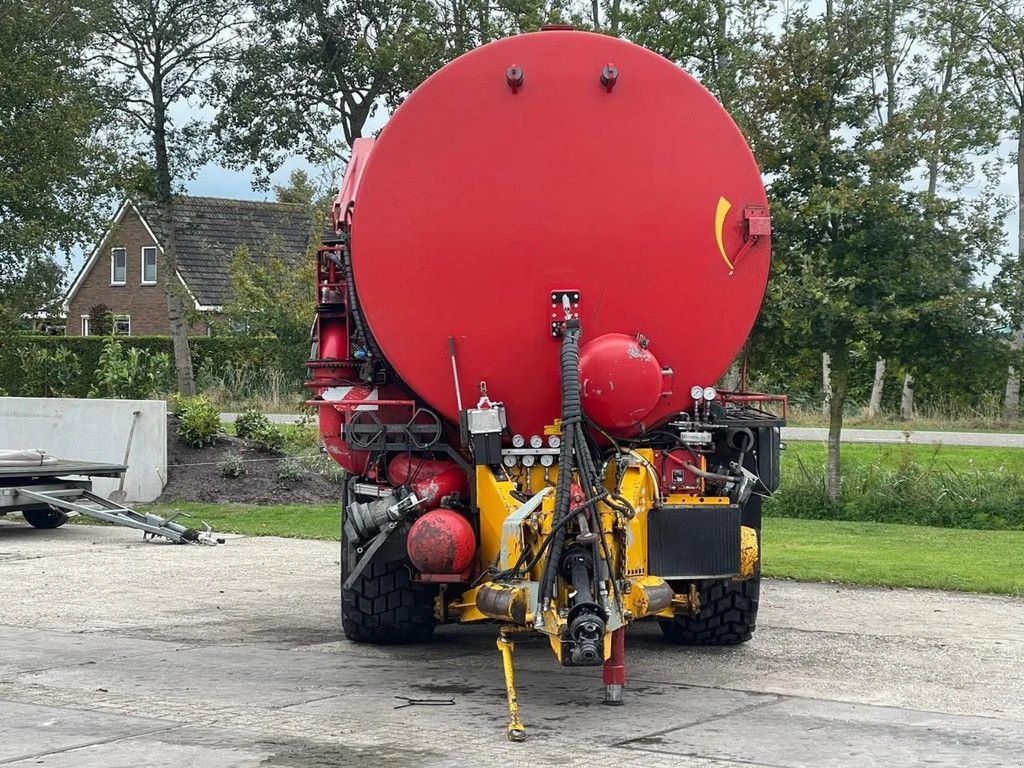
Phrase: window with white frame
x=85 y=325
x=149 y=265
x=118 y=266
x=122 y=325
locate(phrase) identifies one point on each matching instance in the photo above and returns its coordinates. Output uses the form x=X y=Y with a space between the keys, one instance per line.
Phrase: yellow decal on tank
x=723 y=209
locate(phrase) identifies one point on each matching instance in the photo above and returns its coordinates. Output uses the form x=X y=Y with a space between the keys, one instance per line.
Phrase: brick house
x=122 y=272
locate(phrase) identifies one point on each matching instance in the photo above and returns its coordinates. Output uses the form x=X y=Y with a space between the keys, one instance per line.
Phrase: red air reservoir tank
x=493 y=206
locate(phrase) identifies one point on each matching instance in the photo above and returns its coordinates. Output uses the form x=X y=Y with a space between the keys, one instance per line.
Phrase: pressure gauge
x=529 y=460
x=546 y=460
x=518 y=441
x=710 y=393
x=509 y=461
x=536 y=441
x=697 y=393
x=554 y=441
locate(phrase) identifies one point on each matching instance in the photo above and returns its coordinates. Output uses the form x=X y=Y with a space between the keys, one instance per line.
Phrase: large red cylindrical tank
x=482 y=205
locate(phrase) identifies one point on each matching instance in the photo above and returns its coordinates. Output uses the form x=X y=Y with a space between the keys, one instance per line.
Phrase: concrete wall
x=93 y=430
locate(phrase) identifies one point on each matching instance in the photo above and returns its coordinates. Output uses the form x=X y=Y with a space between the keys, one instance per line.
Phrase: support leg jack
x=516 y=729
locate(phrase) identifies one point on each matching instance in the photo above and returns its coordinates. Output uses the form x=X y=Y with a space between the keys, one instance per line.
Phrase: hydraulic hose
x=572 y=413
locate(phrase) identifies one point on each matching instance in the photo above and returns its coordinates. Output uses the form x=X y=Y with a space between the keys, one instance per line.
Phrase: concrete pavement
x=115 y=652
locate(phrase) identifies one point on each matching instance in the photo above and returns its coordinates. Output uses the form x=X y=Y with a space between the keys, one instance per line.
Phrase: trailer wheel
x=383 y=605
x=44 y=517
x=728 y=614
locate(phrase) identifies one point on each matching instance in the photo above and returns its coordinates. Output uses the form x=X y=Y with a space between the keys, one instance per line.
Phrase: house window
x=122 y=325
x=118 y=266
x=149 y=266
x=85 y=325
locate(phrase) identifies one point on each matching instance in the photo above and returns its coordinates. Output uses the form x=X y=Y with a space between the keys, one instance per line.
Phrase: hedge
x=217 y=352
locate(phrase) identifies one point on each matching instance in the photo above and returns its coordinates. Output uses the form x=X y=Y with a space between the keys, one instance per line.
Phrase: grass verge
x=297 y=521
x=807 y=550
x=882 y=554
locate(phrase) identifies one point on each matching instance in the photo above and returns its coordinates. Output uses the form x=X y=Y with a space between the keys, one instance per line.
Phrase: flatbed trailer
x=48 y=494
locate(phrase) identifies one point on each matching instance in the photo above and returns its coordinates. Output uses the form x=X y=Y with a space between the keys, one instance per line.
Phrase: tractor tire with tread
x=44 y=517
x=384 y=606
x=728 y=614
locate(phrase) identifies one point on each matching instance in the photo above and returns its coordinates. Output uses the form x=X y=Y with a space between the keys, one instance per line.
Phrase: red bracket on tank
x=758 y=225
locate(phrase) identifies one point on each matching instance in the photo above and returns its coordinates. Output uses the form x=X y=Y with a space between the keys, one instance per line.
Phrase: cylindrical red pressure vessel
x=430 y=479
x=637 y=208
x=441 y=542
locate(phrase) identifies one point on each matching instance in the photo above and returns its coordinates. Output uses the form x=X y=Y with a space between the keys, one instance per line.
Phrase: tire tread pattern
x=728 y=614
x=383 y=605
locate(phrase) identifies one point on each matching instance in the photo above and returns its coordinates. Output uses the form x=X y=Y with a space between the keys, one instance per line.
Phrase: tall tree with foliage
x=157 y=58
x=860 y=260
x=54 y=170
x=315 y=72
x=997 y=27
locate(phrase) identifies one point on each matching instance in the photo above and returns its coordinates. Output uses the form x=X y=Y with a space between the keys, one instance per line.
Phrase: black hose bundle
x=572 y=416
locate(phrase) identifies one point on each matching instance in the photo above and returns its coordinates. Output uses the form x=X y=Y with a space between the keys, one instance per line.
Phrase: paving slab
x=118 y=653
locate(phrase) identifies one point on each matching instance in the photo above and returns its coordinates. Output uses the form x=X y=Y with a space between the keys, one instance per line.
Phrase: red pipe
x=615 y=669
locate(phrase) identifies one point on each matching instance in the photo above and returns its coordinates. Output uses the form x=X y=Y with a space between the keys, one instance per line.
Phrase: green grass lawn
x=807 y=550
x=894 y=555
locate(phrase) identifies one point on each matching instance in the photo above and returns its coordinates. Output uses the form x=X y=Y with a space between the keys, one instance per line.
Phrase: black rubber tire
x=44 y=517
x=728 y=614
x=383 y=605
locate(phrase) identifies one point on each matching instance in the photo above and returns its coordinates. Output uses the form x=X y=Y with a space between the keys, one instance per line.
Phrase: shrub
x=215 y=353
x=49 y=372
x=134 y=374
x=199 y=422
x=232 y=466
x=250 y=422
x=290 y=469
x=267 y=437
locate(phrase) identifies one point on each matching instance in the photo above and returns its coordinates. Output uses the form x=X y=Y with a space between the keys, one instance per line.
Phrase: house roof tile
x=208 y=230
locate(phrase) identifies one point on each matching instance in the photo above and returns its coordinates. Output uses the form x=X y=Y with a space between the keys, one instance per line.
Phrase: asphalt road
x=120 y=654
x=817 y=434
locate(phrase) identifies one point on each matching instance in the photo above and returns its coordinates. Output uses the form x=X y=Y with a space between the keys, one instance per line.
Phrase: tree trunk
x=826 y=383
x=595 y=10
x=840 y=379
x=1011 y=401
x=169 y=268
x=875 y=404
x=731 y=380
x=907 y=401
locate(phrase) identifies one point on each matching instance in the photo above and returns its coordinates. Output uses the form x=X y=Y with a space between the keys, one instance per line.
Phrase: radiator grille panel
x=688 y=542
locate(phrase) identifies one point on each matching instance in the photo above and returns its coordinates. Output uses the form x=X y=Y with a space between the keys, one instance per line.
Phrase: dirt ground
x=194 y=474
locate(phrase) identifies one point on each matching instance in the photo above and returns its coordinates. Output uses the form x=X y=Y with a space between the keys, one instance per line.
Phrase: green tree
x=54 y=181
x=312 y=68
x=30 y=284
x=861 y=262
x=274 y=296
x=156 y=56
x=997 y=27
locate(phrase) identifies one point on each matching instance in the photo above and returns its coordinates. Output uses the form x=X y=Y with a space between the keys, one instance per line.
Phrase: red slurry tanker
x=555 y=248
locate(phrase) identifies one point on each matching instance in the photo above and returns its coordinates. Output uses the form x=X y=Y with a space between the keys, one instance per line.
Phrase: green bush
x=249 y=422
x=232 y=466
x=133 y=374
x=49 y=372
x=290 y=469
x=199 y=422
x=216 y=353
x=907 y=492
x=267 y=437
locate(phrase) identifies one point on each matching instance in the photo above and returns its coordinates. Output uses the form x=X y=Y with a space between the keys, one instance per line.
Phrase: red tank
x=549 y=174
